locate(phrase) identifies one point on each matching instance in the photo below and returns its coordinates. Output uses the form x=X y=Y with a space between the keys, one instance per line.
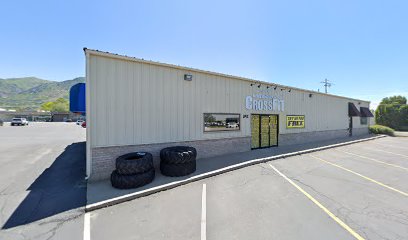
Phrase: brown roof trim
x=365 y=112
x=353 y=111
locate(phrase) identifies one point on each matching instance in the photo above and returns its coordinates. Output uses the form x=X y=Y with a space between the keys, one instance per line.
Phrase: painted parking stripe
x=372 y=159
x=204 y=213
x=87 y=226
x=361 y=175
x=387 y=145
x=397 y=154
x=327 y=211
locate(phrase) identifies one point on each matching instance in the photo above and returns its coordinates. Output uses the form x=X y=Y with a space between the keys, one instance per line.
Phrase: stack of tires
x=178 y=161
x=133 y=170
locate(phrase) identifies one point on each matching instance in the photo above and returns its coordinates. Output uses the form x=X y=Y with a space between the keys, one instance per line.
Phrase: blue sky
x=361 y=46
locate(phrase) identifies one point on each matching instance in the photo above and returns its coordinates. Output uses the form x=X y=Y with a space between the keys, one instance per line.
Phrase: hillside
x=31 y=92
x=11 y=86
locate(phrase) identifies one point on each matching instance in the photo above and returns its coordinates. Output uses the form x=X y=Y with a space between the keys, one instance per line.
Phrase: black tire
x=131 y=181
x=134 y=163
x=177 y=170
x=178 y=154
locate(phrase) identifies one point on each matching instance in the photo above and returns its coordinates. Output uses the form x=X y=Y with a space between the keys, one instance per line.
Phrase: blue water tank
x=77 y=98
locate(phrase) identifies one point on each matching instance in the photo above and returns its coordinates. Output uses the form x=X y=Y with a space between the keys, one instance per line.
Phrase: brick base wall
x=300 y=138
x=360 y=131
x=103 y=158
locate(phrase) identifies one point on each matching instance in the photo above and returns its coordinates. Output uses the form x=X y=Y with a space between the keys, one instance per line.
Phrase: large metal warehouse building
x=138 y=105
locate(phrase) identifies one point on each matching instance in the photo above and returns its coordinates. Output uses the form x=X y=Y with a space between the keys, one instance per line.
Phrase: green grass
x=380 y=129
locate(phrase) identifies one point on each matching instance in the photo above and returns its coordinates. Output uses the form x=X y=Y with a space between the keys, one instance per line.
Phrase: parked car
x=83 y=124
x=232 y=125
x=68 y=120
x=19 y=122
x=79 y=122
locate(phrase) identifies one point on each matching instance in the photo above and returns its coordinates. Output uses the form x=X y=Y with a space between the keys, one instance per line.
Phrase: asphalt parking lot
x=42 y=186
x=357 y=191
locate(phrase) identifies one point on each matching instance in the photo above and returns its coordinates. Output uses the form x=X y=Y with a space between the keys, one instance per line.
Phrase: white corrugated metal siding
x=134 y=102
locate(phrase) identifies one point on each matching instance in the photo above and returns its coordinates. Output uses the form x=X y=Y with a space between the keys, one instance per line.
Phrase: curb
x=132 y=196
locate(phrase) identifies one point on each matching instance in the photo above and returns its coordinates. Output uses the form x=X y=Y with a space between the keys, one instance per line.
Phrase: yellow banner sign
x=295 y=121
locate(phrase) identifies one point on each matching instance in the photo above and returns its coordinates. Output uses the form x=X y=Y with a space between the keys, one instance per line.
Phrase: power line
x=326 y=84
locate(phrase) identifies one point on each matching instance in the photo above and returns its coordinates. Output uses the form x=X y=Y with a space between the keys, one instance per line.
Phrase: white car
x=79 y=122
x=232 y=125
x=19 y=122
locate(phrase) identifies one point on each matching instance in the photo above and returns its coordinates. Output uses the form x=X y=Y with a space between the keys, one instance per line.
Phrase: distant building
x=29 y=115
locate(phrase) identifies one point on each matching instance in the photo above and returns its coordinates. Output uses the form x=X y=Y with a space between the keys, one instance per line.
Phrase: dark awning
x=365 y=112
x=77 y=98
x=353 y=111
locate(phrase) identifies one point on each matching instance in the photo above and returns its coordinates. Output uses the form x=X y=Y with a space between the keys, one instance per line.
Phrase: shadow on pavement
x=60 y=188
x=102 y=190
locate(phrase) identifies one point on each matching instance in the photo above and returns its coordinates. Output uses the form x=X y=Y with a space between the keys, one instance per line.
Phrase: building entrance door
x=264 y=130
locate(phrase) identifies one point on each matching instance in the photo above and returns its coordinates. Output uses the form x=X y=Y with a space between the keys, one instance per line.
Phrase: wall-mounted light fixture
x=252 y=84
x=290 y=90
x=274 y=88
x=267 y=87
x=259 y=86
x=188 y=77
x=310 y=95
x=283 y=89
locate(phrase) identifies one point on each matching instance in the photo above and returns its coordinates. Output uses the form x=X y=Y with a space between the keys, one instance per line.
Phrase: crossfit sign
x=262 y=102
x=295 y=121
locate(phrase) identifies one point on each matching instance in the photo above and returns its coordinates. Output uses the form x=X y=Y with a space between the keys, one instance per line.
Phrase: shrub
x=379 y=129
x=393 y=112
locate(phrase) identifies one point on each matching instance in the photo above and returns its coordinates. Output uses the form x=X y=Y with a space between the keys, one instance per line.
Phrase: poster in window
x=295 y=121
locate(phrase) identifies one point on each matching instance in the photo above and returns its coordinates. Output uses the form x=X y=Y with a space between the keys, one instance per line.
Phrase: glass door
x=264 y=130
x=255 y=121
x=273 y=130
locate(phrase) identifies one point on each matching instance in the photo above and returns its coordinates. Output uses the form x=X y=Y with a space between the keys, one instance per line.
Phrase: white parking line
x=327 y=211
x=204 y=213
x=41 y=154
x=87 y=226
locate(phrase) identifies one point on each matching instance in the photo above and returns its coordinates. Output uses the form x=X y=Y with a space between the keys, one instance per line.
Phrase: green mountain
x=13 y=86
x=31 y=92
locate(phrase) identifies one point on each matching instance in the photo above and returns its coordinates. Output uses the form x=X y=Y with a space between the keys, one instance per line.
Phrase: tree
x=59 y=105
x=47 y=106
x=394 y=100
x=403 y=111
x=393 y=112
x=208 y=118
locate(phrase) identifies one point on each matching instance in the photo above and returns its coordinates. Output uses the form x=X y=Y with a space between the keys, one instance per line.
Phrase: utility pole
x=326 y=84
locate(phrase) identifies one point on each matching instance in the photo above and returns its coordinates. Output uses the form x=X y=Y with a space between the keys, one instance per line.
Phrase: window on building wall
x=363 y=120
x=221 y=122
